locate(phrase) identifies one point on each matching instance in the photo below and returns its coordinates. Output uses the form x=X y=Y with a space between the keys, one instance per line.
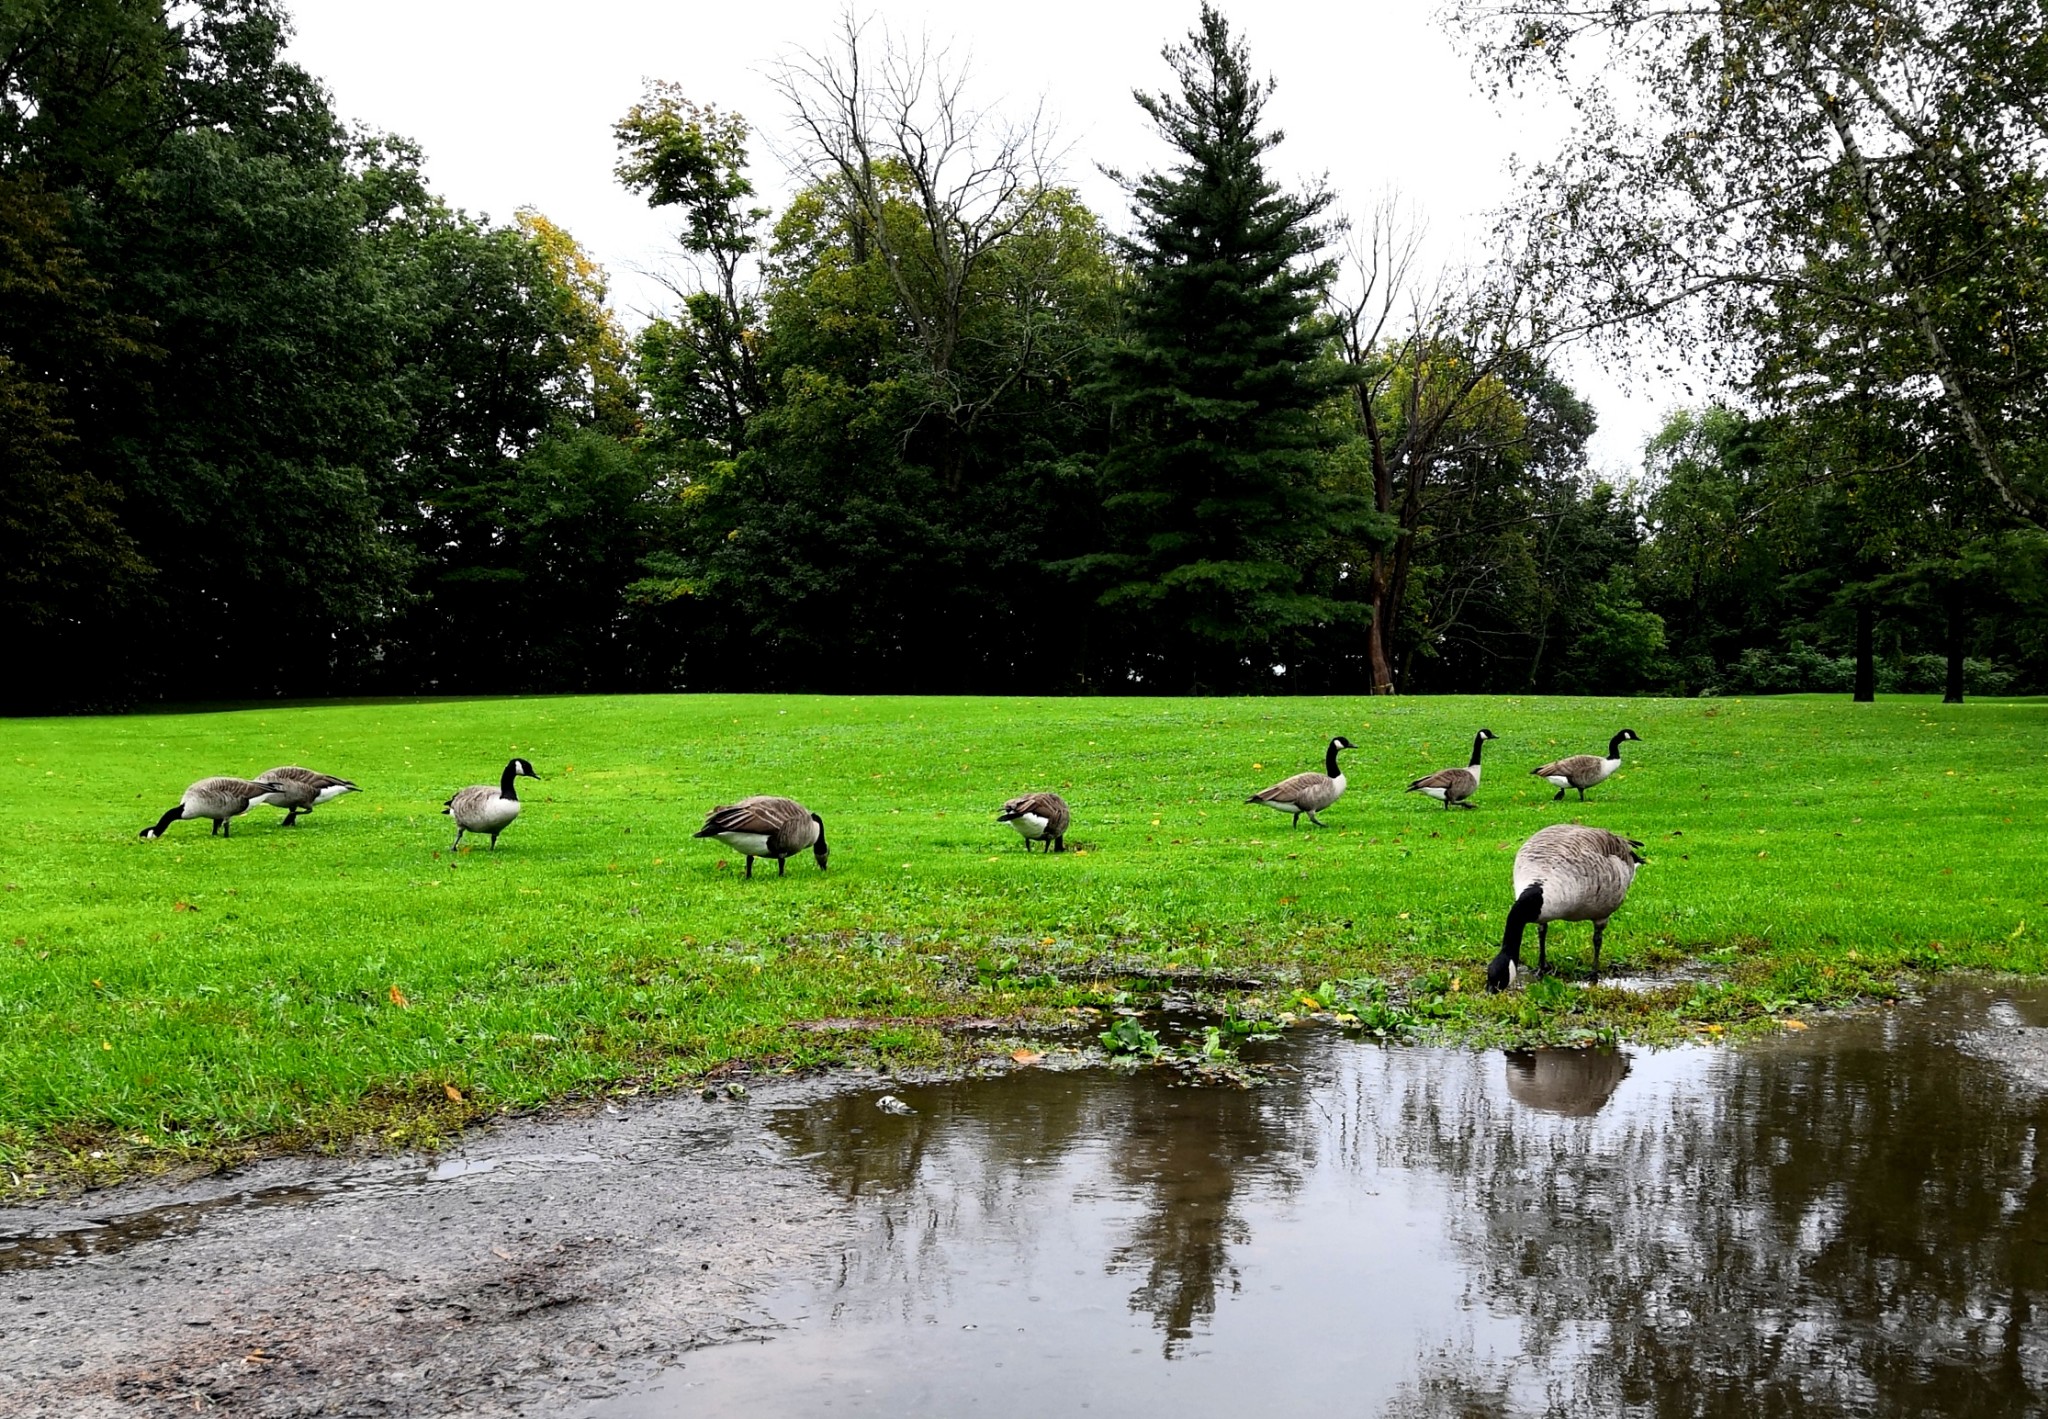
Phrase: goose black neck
x=508 y=786
x=1614 y=744
x=1527 y=908
x=163 y=824
x=1330 y=759
x=1478 y=746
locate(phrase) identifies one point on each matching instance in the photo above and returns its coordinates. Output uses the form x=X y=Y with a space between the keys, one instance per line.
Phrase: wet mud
x=1851 y=1219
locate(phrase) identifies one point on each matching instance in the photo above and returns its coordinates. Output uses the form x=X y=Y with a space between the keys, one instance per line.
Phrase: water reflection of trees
x=965 y=1167
x=1849 y=1224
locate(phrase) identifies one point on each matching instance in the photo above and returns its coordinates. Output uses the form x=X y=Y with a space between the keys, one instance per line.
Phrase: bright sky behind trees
x=514 y=101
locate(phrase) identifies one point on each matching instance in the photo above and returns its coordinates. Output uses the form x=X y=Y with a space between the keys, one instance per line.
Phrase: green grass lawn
x=194 y=996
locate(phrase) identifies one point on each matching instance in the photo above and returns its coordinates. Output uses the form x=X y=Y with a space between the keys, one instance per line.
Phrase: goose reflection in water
x=1574 y=1082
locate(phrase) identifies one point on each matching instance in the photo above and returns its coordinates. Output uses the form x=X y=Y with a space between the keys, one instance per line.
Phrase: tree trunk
x=1866 y=652
x=1958 y=634
x=1379 y=653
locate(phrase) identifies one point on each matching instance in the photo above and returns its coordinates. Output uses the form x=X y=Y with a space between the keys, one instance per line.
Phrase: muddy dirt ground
x=544 y=1263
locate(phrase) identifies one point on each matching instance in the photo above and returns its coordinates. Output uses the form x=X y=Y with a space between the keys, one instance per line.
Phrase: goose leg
x=1059 y=844
x=494 y=842
x=750 y=867
x=291 y=819
x=1318 y=822
x=1559 y=794
x=781 y=867
x=1297 y=821
x=1599 y=930
x=458 y=840
x=1582 y=795
x=227 y=827
x=1542 y=948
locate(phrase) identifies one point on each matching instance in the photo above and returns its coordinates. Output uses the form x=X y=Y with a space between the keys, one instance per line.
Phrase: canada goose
x=1039 y=817
x=1583 y=771
x=483 y=809
x=766 y=826
x=1310 y=792
x=1455 y=786
x=300 y=791
x=1565 y=872
x=220 y=799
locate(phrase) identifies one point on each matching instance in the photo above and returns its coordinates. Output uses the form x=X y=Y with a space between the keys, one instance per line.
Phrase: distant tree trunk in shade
x=1958 y=632
x=1866 y=653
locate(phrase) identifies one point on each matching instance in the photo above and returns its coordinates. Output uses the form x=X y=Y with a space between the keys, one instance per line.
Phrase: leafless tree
x=889 y=121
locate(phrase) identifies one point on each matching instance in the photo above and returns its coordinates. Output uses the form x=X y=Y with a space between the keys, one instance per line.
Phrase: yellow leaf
x=1404 y=916
x=1793 y=1024
x=1026 y=1056
x=398 y=997
x=105 y=1045
x=454 y=1094
x=1457 y=982
x=1311 y=1002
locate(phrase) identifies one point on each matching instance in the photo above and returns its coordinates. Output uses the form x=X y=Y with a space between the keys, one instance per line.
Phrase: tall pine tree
x=1221 y=517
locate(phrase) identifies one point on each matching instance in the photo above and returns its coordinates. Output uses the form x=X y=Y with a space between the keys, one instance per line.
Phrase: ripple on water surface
x=1847 y=1221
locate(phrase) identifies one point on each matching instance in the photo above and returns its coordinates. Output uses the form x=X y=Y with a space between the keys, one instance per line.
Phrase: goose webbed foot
x=781 y=867
x=1558 y=795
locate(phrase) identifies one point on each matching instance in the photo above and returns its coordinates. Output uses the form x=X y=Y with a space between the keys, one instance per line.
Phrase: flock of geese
x=1564 y=872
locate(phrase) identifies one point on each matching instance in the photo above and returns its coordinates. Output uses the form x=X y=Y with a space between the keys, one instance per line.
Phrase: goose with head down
x=1565 y=872
x=1310 y=792
x=300 y=791
x=767 y=826
x=220 y=799
x=1038 y=817
x=1454 y=787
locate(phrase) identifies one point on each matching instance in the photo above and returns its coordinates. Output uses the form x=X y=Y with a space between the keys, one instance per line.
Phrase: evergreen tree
x=1216 y=493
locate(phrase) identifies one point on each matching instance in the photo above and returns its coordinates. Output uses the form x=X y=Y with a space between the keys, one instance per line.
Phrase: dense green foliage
x=276 y=420
x=196 y=993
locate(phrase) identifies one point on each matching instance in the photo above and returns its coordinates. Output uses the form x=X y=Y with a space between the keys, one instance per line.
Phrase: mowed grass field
x=194 y=997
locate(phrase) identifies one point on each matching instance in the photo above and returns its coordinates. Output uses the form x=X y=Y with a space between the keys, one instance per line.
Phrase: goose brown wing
x=1049 y=806
x=1445 y=779
x=783 y=821
x=1309 y=790
x=1573 y=767
x=311 y=778
x=470 y=800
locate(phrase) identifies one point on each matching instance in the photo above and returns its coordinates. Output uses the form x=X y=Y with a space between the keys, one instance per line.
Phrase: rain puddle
x=1847 y=1220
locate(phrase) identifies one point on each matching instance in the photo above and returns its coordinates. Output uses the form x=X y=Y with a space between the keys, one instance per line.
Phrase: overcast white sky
x=513 y=101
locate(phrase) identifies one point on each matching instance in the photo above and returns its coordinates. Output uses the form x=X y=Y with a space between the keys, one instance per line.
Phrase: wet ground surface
x=1851 y=1219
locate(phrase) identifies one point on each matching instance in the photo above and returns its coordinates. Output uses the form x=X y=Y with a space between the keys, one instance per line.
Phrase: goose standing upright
x=300 y=791
x=767 y=826
x=483 y=809
x=1565 y=872
x=1583 y=771
x=1453 y=787
x=220 y=799
x=1038 y=817
x=1310 y=792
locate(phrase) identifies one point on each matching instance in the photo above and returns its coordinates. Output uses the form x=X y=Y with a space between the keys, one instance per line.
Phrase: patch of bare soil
x=545 y=1263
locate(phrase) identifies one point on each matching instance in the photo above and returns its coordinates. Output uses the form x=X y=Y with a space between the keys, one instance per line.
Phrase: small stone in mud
x=890 y=1104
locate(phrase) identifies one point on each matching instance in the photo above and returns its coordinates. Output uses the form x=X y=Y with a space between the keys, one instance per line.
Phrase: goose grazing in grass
x=1453 y=787
x=1039 y=817
x=1565 y=872
x=766 y=826
x=300 y=791
x=220 y=799
x=1311 y=792
x=1583 y=771
x=483 y=809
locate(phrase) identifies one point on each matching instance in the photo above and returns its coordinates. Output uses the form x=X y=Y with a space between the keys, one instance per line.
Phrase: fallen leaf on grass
x=183 y=907
x=1793 y=1024
x=1026 y=1056
x=398 y=998
x=454 y=1094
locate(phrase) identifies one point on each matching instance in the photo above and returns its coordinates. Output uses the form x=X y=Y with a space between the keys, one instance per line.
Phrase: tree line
x=278 y=420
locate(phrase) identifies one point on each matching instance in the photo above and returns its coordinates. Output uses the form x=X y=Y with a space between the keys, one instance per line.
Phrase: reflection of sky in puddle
x=1824 y=1224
